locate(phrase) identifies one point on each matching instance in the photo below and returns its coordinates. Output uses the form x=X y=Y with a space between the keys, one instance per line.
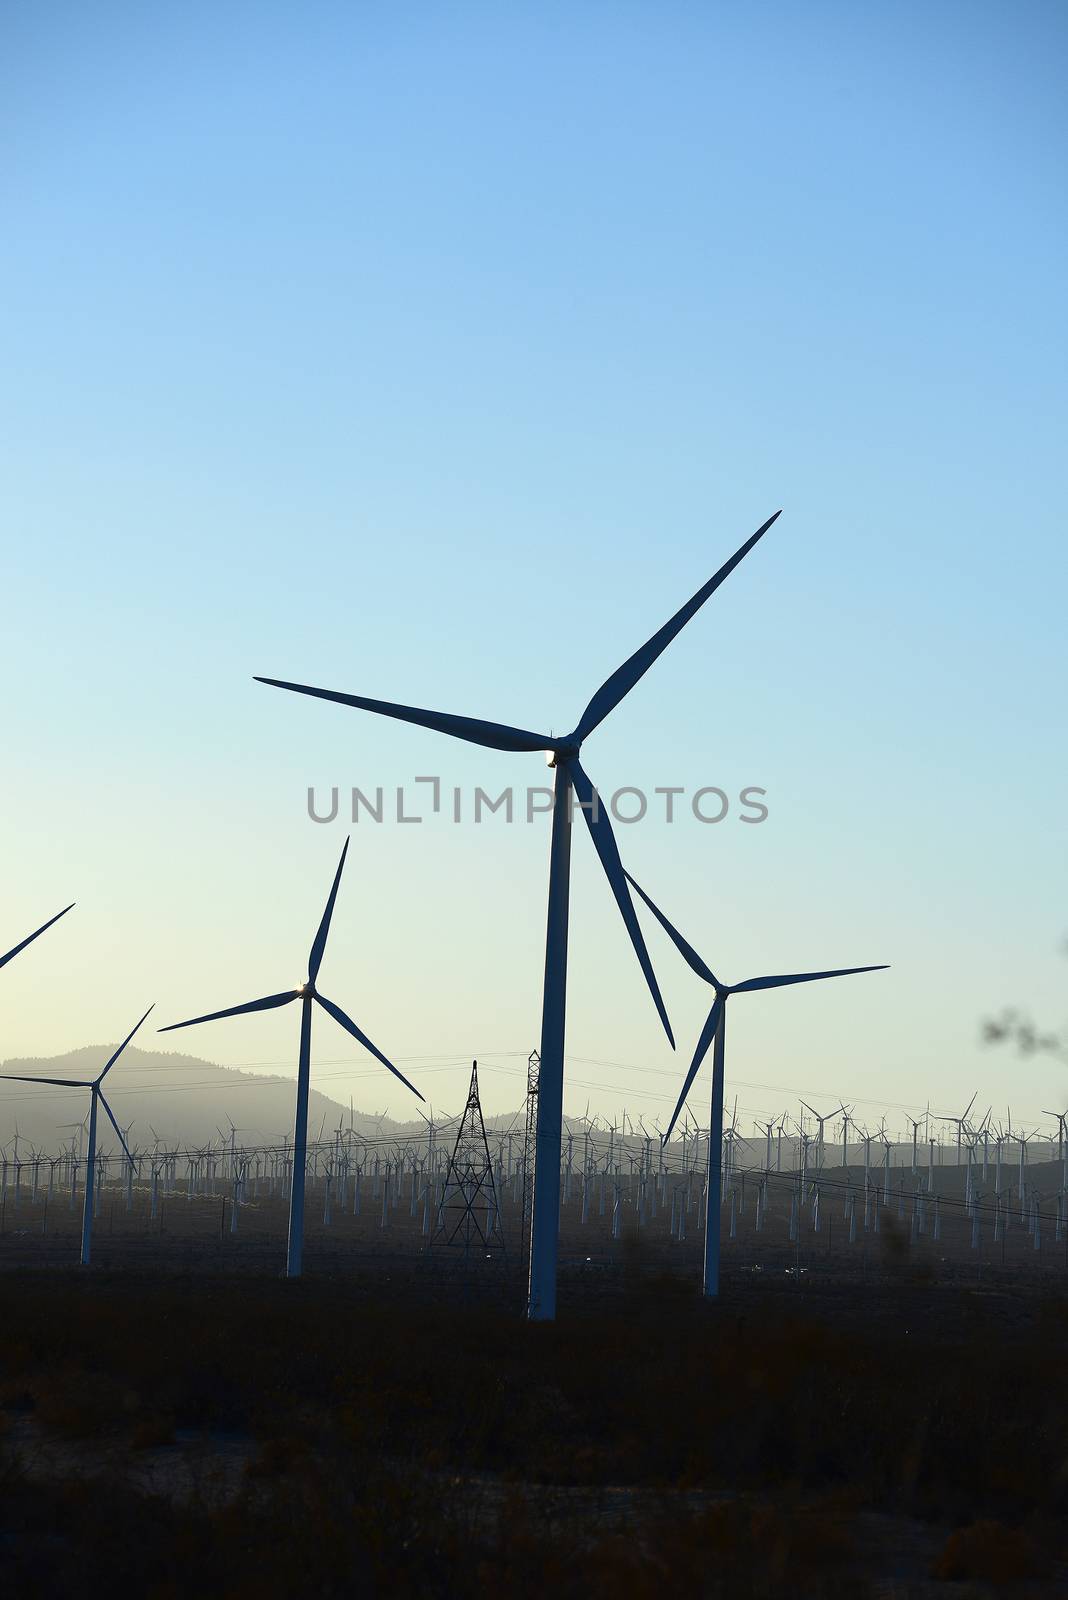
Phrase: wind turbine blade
x=625 y=677
x=800 y=977
x=123 y=1045
x=59 y=1083
x=315 y=959
x=267 y=1004
x=42 y=929
x=358 y=1033
x=606 y=847
x=708 y=1033
x=115 y=1125
x=687 y=952
x=495 y=735
x=968 y=1107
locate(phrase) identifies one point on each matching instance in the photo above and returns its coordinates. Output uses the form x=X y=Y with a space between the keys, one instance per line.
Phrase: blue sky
x=439 y=354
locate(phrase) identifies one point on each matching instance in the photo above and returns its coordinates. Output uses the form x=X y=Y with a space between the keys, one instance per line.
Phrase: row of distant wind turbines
x=974 y=1139
x=570 y=779
x=608 y=1141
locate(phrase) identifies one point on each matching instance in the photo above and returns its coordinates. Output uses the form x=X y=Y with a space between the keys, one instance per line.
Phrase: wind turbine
x=821 y=1120
x=732 y=1138
x=42 y=929
x=847 y=1114
x=563 y=756
x=306 y=994
x=960 y=1121
x=97 y=1097
x=915 y=1123
x=1062 y=1143
x=1023 y=1140
x=714 y=1029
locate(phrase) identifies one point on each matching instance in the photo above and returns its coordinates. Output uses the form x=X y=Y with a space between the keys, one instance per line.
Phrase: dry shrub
x=989 y=1551
x=893 y=1239
x=79 y=1404
x=151 y=1431
x=277 y=1456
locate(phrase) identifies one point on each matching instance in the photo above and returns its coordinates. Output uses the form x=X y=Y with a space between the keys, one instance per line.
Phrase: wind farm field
x=838 y=1228
x=532 y=906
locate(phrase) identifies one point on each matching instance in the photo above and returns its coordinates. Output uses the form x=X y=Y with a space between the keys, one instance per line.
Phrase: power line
x=448 y=1062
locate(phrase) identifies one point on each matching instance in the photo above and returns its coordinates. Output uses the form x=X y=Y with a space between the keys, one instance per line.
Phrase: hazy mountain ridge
x=184 y=1098
x=187 y=1100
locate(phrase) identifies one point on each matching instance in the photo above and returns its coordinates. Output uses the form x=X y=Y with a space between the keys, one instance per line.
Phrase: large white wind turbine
x=97 y=1098
x=306 y=993
x=42 y=929
x=569 y=774
x=714 y=1029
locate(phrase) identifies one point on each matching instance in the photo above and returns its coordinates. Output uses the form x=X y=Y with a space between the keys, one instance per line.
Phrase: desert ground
x=877 y=1416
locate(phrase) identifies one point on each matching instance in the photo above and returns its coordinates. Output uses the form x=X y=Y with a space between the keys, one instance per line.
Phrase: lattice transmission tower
x=468 y=1216
x=529 y=1148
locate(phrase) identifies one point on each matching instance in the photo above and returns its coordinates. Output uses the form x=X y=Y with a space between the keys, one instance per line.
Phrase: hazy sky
x=439 y=354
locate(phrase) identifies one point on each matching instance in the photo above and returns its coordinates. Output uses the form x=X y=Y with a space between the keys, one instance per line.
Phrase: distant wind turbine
x=97 y=1097
x=306 y=993
x=563 y=754
x=915 y=1123
x=960 y=1122
x=714 y=1029
x=821 y=1120
x=42 y=929
x=1062 y=1143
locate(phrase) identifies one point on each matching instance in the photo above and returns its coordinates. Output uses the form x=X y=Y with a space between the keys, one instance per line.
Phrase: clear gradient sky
x=438 y=354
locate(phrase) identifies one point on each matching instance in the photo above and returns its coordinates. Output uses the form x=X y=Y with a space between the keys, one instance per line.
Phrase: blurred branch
x=1012 y=1028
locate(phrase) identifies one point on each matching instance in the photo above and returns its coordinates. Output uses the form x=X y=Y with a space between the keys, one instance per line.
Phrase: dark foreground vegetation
x=353 y=1435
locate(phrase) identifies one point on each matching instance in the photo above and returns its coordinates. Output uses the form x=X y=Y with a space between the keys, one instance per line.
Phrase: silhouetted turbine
x=92 y=1084
x=306 y=993
x=715 y=1028
x=569 y=774
x=961 y=1122
x=42 y=929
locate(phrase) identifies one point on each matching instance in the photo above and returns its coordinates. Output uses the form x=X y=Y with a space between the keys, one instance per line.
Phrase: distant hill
x=186 y=1101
